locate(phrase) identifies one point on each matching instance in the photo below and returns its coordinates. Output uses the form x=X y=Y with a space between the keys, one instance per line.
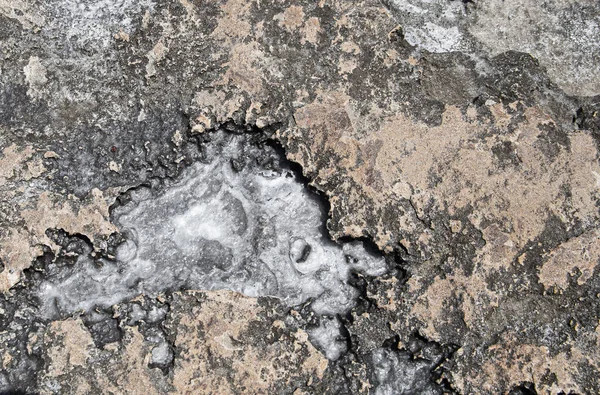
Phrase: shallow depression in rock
x=237 y=221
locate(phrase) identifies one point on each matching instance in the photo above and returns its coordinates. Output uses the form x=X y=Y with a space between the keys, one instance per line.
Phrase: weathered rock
x=224 y=343
x=29 y=210
x=429 y=135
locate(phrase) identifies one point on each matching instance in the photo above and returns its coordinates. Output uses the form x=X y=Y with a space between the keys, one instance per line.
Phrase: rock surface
x=461 y=138
x=223 y=341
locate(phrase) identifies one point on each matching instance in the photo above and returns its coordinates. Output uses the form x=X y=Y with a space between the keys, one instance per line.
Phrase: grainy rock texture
x=461 y=138
x=223 y=342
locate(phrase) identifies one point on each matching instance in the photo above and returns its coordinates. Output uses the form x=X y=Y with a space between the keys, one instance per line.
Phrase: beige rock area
x=225 y=343
x=509 y=199
x=31 y=210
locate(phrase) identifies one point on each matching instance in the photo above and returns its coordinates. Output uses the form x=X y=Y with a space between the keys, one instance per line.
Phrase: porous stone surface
x=460 y=138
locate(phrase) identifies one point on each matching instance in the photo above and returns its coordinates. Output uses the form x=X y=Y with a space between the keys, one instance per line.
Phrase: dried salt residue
x=240 y=222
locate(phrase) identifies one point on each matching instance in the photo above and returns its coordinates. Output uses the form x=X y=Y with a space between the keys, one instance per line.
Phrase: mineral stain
x=240 y=220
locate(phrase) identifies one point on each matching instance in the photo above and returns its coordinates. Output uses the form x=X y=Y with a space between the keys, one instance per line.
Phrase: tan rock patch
x=311 y=30
x=292 y=18
x=224 y=320
x=225 y=344
x=233 y=25
x=581 y=253
x=30 y=211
